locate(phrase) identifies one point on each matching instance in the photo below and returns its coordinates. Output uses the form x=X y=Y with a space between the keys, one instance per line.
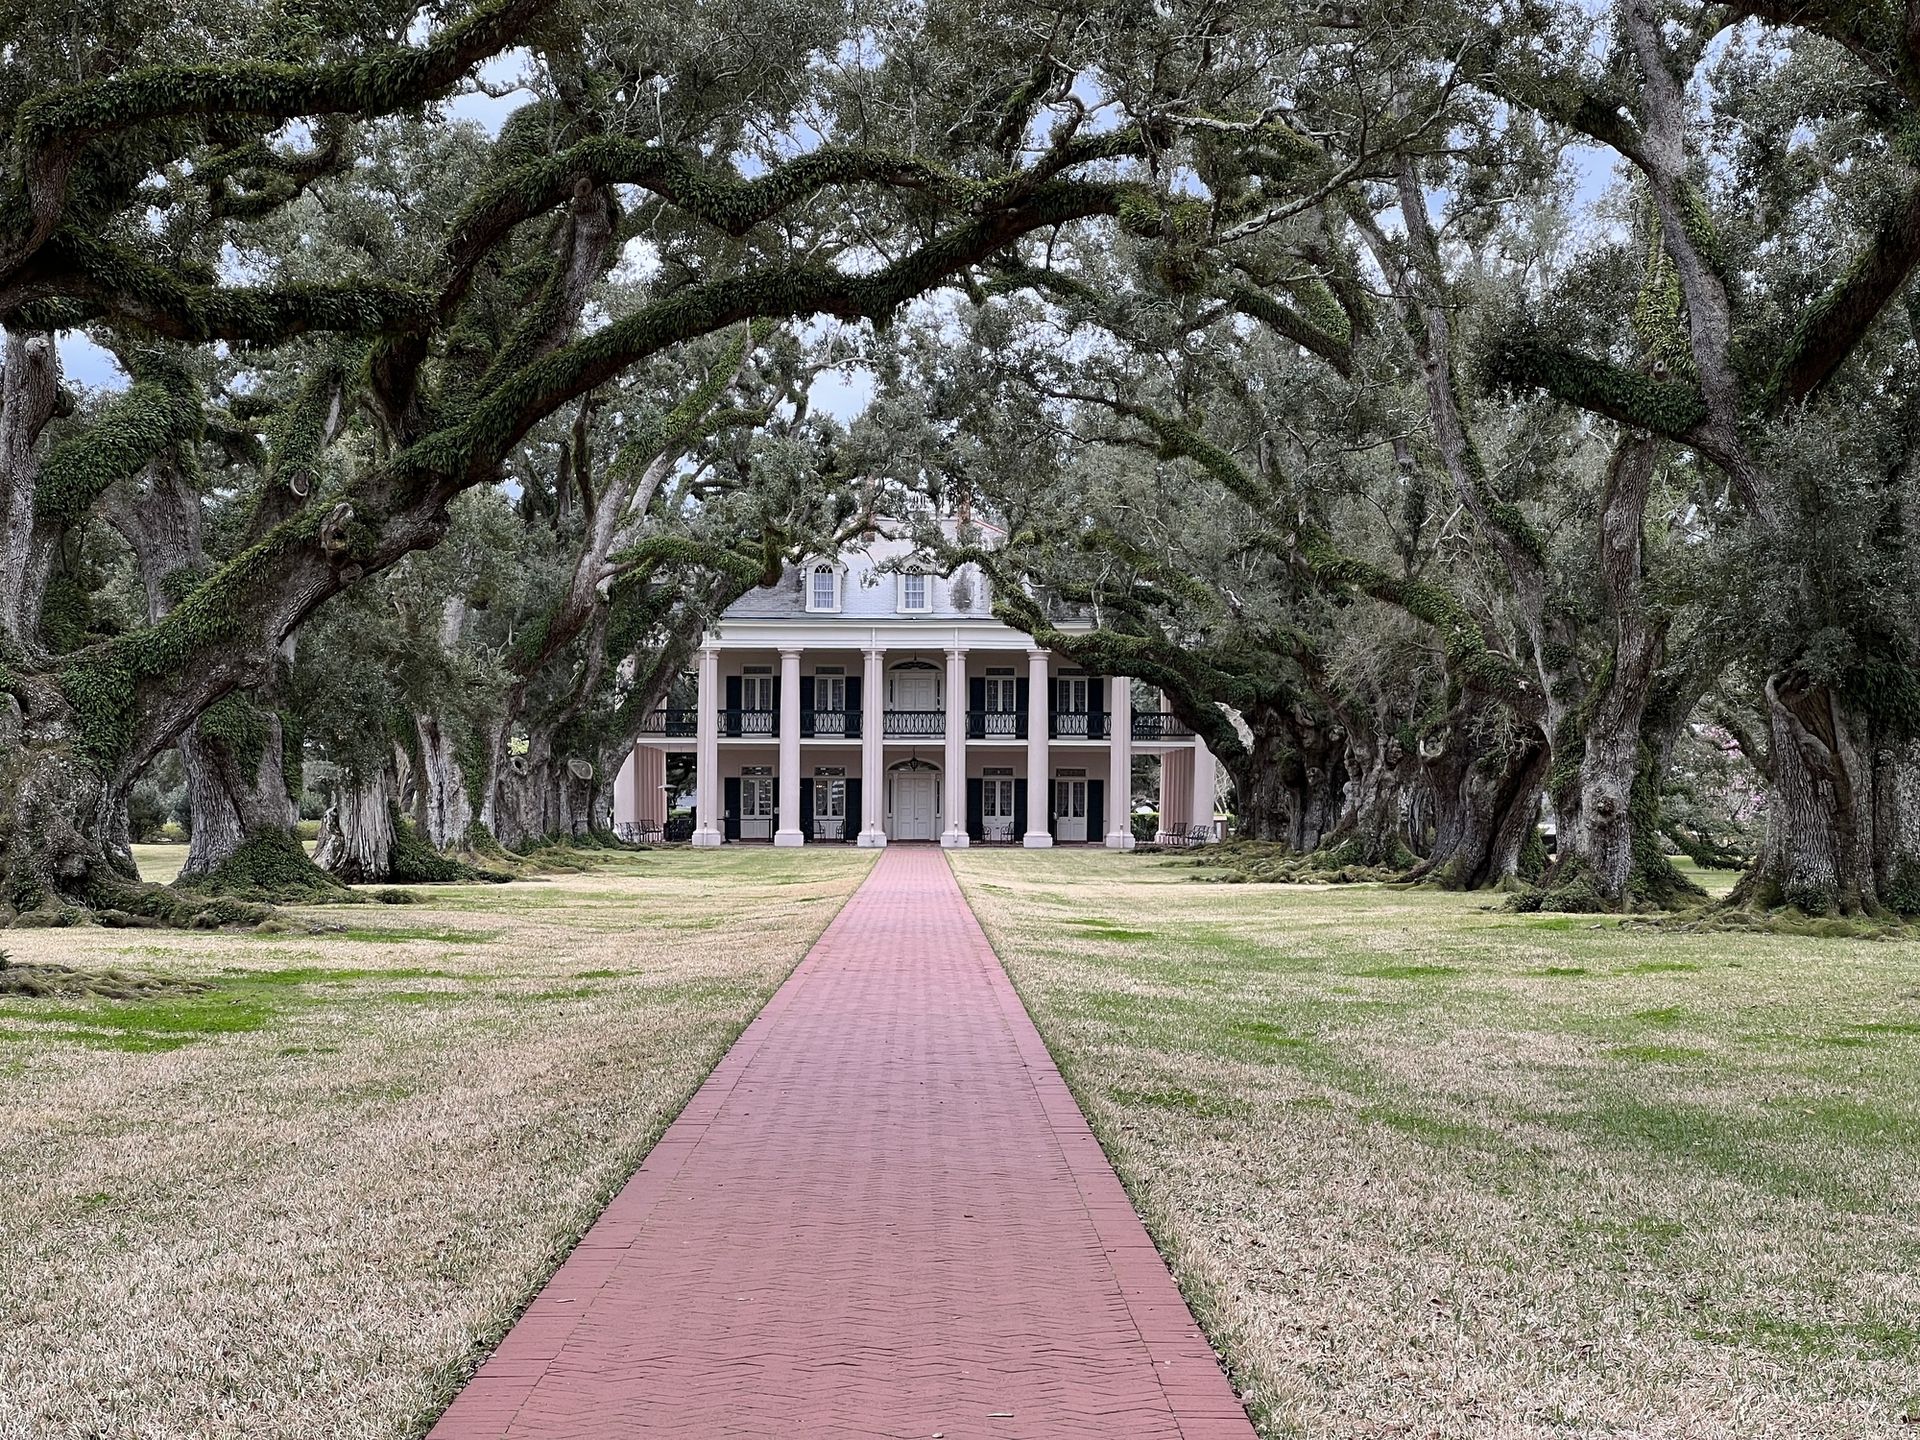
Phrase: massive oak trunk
x=239 y=789
x=1372 y=827
x=1485 y=795
x=357 y=837
x=1819 y=848
x=442 y=802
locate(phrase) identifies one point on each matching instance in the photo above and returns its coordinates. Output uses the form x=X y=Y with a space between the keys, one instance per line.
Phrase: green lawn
x=295 y=1204
x=1428 y=1168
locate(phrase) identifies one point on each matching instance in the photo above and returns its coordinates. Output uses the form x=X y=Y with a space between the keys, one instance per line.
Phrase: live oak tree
x=148 y=170
x=1788 y=227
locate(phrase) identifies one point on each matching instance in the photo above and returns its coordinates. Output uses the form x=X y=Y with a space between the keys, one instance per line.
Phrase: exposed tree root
x=272 y=868
x=1567 y=888
x=1264 y=862
x=64 y=982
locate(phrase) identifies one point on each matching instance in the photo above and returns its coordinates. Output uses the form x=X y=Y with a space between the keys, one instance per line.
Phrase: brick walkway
x=882 y=1215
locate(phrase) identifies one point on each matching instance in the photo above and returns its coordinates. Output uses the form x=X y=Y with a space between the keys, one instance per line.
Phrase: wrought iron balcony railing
x=830 y=724
x=756 y=724
x=1078 y=725
x=914 y=724
x=671 y=722
x=996 y=724
x=1159 y=725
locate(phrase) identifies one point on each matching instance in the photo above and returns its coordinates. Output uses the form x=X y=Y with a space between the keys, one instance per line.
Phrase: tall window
x=1002 y=696
x=829 y=702
x=829 y=799
x=823 y=588
x=915 y=593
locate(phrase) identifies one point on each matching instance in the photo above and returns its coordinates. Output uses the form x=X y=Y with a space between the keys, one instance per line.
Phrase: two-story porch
x=800 y=737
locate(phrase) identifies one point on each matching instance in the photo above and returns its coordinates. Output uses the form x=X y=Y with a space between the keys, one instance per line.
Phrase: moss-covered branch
x=1664 y=407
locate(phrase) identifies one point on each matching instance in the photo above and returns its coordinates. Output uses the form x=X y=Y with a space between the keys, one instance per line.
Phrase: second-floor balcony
x=753 y=724
x=915 y=724
x=830 y=724
x=1078 y=725
x=996 y=724
x=671 y=721
x=1159 y=725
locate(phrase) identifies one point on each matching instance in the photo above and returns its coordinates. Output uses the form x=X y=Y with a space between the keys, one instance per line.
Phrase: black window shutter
x=1021 y=689
x=1020 y=804
x=1053 y=801
x=976 y=808
x=1096 y=707
x=806 y=806
x=976 y=703
x=731 y=790
x=1096 y=811
x=806 y=707
x=853 y=797
x=733 y=710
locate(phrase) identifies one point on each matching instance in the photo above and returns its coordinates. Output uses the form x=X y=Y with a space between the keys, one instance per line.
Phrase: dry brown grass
x=1428 y=1169
x=298 y=1205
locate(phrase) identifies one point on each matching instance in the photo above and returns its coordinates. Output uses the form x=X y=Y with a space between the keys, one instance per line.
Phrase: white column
x=789 y=832
x=873 y=769
x=1203 y=785
x=707 y=828
x=1120 y=766
x=954 y=835
x=1038 y=779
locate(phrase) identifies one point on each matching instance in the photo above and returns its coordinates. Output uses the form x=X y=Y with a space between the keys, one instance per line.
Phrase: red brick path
x=882 y=1215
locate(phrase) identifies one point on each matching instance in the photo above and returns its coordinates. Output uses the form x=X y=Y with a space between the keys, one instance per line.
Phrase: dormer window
x=823 y=588
x=916 y=592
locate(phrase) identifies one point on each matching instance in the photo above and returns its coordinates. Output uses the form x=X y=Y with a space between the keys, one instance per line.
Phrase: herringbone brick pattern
x=882 y=1215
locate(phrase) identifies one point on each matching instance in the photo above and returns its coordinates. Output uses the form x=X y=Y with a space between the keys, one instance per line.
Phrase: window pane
x=915 y=591
x=823 y=589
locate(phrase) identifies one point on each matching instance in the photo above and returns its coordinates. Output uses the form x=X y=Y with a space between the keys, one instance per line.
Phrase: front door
x=914 y=703
x=756 y=807
x=1070 y=811
x=914 y=798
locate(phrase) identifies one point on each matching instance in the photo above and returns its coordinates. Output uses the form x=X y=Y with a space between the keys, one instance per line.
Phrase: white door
x=998 y=824
x=914 y=793
x=756 y=705
x=1071 y=705
x=829 y=704
x=1070 y=811
x=1001 y=697
x=913 y=703
x=756 y=807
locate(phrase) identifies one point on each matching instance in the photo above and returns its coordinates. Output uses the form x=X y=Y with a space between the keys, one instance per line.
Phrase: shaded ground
x=294 y=1205
x=1429 y=1169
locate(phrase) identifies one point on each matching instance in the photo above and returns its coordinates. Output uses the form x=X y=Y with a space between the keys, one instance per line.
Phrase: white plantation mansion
x=854 y=703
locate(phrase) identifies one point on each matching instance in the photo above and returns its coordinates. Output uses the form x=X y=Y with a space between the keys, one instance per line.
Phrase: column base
x=789 y=837
x=955 y=840
x=1037 y=840
x=1121 y=840
x=871 y=840
x=707 y=839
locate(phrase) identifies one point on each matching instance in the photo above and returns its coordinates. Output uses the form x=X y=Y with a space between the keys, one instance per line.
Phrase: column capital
x=791 y=652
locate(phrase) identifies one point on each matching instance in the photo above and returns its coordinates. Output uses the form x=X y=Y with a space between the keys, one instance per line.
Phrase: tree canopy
x=1461 y=414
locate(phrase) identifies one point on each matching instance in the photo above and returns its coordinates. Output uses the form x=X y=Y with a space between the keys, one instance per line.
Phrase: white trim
x=807 y=575
x=900 y=605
